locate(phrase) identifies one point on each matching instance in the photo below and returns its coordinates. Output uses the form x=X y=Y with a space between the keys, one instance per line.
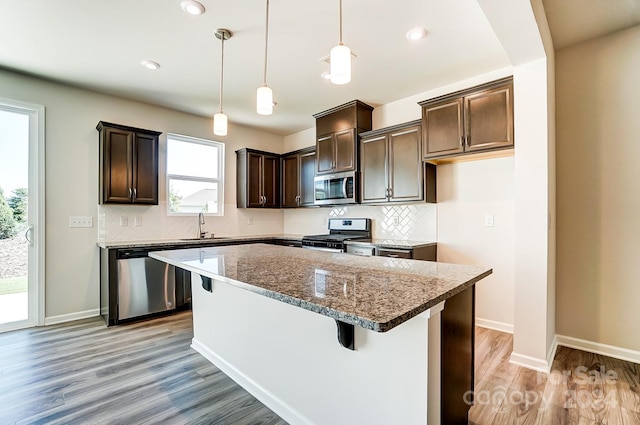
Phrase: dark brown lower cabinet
x=457 y=357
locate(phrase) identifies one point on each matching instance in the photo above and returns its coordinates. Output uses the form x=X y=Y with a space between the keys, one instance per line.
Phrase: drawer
x=395 y=253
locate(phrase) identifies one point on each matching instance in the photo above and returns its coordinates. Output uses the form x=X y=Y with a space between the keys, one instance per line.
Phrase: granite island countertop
x=376 y=293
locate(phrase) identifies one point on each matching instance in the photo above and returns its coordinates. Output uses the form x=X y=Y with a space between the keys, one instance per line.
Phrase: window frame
x=220 y=180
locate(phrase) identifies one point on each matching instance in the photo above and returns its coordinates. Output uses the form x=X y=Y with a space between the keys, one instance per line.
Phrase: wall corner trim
x=599 y=348
x=62 y=318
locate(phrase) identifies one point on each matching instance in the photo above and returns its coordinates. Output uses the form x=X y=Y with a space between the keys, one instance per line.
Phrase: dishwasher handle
x=132 y=253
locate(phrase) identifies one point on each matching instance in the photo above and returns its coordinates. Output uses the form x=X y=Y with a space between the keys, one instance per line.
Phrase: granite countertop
x=194 y=241
x=391 y=243
x=377 y=293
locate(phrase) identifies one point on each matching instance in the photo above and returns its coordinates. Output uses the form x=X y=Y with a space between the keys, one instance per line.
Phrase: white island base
x=290 y=359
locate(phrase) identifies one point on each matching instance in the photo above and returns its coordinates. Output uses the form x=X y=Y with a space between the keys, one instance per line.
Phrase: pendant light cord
x=266 y=43
x=221 y=70
x=340 y=22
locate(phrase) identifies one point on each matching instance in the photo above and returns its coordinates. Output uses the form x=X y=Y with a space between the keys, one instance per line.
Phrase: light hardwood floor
x=141 y=373
x=582 y=388
x=145 y=373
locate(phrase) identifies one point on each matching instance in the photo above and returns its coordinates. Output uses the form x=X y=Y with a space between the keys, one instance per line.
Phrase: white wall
x=71 y=156
x=598 y=148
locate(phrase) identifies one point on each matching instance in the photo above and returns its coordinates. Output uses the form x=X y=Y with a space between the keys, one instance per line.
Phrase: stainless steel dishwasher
x=145 y=285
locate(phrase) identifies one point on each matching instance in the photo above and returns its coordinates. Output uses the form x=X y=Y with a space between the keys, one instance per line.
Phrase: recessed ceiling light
x=326 y=75
x=150 y=64
x=192 y=7
x=416 y=33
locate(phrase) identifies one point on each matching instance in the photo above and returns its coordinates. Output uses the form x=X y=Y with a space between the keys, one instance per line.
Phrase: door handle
x=27 y=234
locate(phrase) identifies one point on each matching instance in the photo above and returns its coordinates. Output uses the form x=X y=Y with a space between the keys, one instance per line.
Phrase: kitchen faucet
x=201 y=234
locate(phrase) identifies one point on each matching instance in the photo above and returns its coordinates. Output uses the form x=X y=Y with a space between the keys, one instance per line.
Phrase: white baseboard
x=598 y=348
x=534 y=363
x=496 y=326
x=267 y=398
x=52 y=320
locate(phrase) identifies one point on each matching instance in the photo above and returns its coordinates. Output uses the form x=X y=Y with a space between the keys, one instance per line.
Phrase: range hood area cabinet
x=474 y=120
x=128 y=164
x=391 y=165
x=337 y=132
x=258 y=179
x=298 y=171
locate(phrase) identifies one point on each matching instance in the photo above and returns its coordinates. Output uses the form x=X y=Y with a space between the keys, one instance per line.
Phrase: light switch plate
x=488 y=220
x=137 y=221
x=124 y=221
x=80 y=221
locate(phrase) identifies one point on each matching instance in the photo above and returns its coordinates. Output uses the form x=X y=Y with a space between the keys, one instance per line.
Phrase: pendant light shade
x=265 y=100
x=264 y=95
x=340 y=60
x=220 y=119
x=220 y=124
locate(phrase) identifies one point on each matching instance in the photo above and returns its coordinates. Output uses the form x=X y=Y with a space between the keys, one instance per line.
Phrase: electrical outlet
x=137 y=221
x=250 y=221
x=396 y=220
x=78 y=221
x=124 y=221
x=488 y=220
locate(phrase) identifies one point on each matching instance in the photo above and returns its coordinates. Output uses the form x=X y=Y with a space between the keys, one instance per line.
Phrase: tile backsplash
x=404 y=222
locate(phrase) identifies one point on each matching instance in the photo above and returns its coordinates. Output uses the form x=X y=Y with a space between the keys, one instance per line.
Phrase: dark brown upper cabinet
x=128 y=164
x=473 y=120
x=257 y=179
x=298 y=171
x=391 y=164
x=337 y=139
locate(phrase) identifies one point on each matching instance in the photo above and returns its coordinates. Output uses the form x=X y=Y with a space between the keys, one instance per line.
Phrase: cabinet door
x=307 y=173
x=324 y=153
x=145 y=169
x=290 y=180
x=405 y=165
x=374 y=169
x=443 y=128
x=254 y=179
x=117 y=184
x=489 y=119
x=271 y=181
x=345 y=148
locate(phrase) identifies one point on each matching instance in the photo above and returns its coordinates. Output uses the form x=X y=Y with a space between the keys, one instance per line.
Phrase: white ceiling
x=99 y=44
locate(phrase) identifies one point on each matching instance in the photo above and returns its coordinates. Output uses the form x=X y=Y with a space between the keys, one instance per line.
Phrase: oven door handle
x=317 y=248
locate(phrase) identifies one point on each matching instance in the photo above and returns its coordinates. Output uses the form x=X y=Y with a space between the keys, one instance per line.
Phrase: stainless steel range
x=340 y=230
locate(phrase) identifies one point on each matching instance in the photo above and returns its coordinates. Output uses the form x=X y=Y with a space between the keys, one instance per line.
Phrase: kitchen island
x=325 y=338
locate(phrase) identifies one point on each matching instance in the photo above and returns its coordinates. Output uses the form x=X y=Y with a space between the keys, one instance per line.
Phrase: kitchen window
x=195 y=176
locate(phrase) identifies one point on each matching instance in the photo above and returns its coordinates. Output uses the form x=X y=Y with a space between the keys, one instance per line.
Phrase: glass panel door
x=20 y=232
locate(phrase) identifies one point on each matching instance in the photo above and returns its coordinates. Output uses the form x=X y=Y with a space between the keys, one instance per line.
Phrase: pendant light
x=340 y=60
x=220 y=119
x=264 y=95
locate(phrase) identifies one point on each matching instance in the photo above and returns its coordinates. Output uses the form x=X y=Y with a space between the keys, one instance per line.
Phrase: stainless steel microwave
x=337 y=188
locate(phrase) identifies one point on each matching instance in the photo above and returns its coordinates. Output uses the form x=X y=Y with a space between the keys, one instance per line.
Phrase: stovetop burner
x=340 y=230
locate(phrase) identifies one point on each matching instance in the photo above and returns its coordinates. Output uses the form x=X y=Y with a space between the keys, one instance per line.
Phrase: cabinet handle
x=135 y=193
x=390 y=192
x=130 y=194
x=392 y=255
x=461 y=141
x=467 y=140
